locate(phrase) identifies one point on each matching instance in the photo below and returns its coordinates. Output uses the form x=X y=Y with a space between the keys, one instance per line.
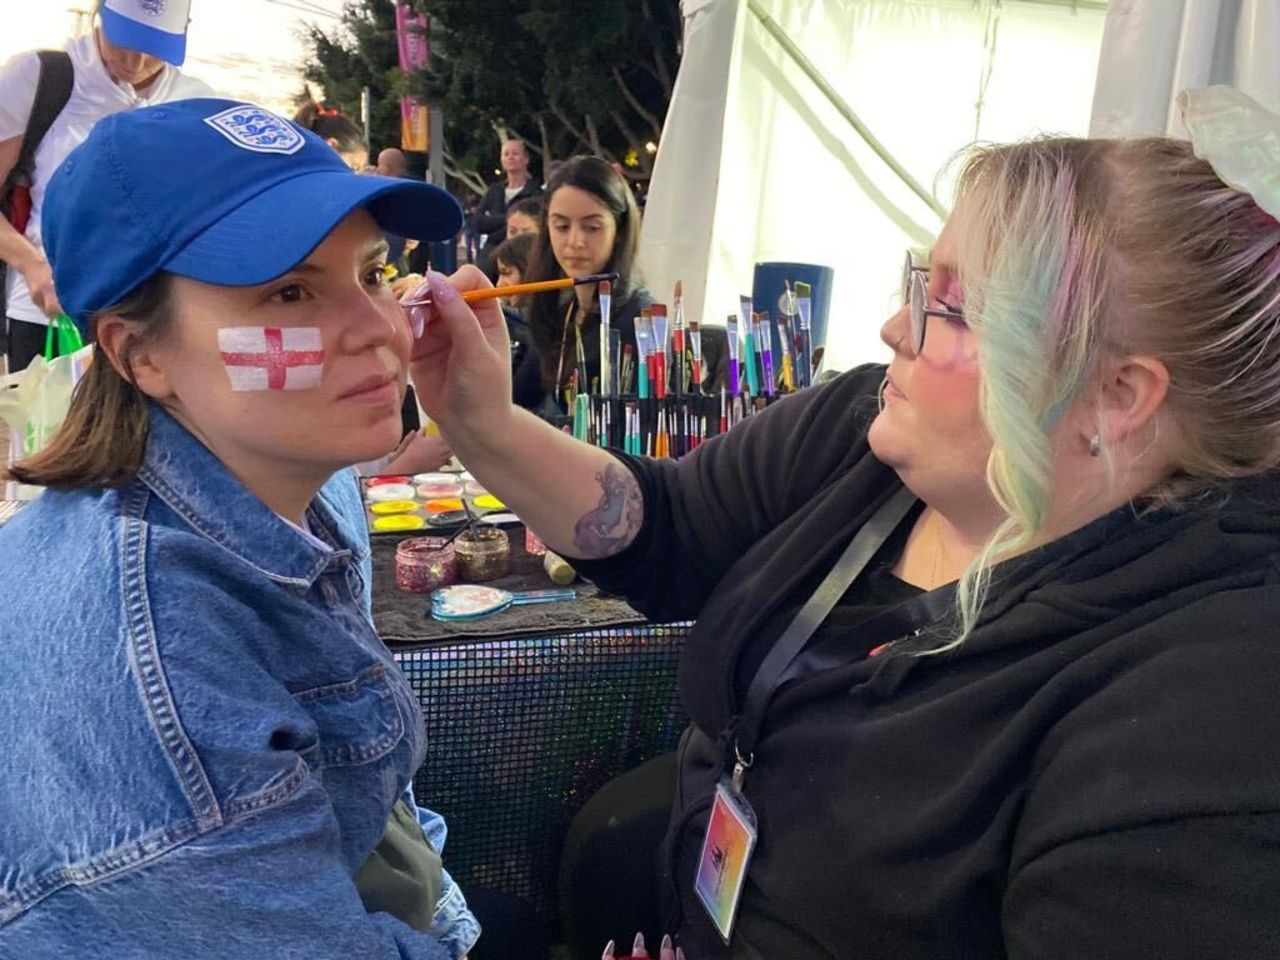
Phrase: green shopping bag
x=62 y=337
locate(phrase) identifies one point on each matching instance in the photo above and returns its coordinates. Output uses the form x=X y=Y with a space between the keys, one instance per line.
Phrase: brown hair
x=102 y=441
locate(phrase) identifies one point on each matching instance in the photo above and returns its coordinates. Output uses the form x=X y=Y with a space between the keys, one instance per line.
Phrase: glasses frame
x=915 y=296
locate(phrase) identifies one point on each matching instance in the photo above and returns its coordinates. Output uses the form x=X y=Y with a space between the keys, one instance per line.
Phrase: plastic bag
x=34 y=401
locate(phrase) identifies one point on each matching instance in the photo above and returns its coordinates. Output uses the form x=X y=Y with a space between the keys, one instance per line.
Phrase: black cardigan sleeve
x=703 y=512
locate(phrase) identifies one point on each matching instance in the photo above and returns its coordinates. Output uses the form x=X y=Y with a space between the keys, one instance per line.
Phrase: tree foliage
x=566 y=76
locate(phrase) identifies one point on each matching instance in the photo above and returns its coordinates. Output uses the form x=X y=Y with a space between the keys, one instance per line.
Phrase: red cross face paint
x=272 y=358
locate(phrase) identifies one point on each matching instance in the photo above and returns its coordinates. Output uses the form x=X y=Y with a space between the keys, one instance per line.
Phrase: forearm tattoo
x=614 y=523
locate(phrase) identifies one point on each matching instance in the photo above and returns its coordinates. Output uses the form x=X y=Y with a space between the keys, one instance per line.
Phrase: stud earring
x=1095 y=446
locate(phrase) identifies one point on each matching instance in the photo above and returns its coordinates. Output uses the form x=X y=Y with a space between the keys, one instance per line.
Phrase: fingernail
x=417 y=321
x=665 y=952
x=679 y=953
x=608 y=951
x=441 y=289
x=637 y=948
x=666 y=941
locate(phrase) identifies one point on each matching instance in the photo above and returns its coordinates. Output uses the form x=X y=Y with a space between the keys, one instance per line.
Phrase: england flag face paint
x=272 y=358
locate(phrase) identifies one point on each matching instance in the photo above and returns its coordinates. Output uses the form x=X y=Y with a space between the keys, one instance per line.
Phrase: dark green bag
x=403 y=876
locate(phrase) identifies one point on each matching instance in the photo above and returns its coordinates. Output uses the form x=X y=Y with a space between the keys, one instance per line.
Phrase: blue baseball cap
x=223 y=192
x=157 y=27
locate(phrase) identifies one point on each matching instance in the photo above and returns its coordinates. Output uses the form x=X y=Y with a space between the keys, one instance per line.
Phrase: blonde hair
x=1073 y=249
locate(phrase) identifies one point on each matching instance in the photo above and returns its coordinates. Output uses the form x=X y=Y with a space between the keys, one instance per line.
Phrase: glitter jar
x=425 y=563
x=533 y=544
x=484 y=554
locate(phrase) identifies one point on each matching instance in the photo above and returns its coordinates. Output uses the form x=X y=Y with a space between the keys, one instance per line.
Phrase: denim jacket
x=204 y=735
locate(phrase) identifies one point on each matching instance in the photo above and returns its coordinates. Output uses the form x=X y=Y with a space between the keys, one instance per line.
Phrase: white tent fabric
x=756 y=164
x=1154 y=49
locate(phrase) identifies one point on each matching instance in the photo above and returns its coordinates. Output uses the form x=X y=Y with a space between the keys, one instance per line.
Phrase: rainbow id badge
x=726 y=851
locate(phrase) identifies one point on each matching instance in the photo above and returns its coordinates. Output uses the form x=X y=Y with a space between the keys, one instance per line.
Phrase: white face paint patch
x=272 y=358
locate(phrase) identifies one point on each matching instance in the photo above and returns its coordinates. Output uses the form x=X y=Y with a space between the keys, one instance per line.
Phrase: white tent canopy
x=757 y=163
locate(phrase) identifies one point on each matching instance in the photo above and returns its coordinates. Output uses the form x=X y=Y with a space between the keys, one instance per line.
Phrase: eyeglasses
x=915 y=295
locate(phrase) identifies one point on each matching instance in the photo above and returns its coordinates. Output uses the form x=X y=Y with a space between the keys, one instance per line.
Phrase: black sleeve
x=526 y=386
x=491 y=214
x=1152 y=824
x=703 y=512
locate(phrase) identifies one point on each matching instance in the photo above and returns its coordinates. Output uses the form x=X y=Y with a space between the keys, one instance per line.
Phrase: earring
x=1095 y=445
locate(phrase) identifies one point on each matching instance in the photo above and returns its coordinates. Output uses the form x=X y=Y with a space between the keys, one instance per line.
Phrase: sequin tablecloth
x=526 y=718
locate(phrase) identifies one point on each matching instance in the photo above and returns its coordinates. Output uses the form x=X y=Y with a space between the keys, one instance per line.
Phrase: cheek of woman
x=931 y=408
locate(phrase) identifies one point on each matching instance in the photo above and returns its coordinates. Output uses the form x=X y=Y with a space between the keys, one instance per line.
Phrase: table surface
x=402 y=618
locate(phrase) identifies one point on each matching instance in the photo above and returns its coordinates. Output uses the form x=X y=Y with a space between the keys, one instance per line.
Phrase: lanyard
x=782 y=661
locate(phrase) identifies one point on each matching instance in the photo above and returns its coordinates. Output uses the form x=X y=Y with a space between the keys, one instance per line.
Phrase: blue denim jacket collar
x=198 y=487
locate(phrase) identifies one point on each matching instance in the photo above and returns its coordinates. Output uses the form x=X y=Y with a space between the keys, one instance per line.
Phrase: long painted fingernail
x=679 y=954
x=608 y=951
x=441 y=289
x=665 y=952
x=637 y=948
x=417 y=321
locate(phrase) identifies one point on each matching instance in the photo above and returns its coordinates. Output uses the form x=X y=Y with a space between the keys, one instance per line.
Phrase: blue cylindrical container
x=769 y=287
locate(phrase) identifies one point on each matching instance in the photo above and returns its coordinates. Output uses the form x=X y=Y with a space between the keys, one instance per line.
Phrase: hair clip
x=1239 y=138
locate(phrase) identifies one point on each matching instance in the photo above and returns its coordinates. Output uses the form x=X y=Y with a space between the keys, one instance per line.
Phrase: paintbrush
x=695 y=367
x=516 y=290
x=805 y=354
x=625 y=368
x=661 y=345
x=644 y=349
x=471 y=521
x=746 y=308
x=735 y=349
x=606 y=357
x=764 y=343
x=677 y=342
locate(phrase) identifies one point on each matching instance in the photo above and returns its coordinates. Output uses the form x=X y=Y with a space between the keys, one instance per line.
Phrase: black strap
x=775 y=669
x=53 y=90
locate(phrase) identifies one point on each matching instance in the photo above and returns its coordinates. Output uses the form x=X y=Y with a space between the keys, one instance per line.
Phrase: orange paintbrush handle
x=517 y=290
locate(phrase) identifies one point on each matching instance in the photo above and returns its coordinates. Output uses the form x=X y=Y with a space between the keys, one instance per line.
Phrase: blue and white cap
x=157 y=27
x=223 y=192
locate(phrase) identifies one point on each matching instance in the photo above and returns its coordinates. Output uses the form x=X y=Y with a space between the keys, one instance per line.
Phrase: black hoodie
x=1095 y=773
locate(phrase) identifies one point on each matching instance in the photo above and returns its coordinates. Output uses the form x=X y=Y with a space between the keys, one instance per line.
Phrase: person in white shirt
x=129 y=60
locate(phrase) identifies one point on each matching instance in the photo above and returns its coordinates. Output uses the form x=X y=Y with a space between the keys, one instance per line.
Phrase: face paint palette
x=428 y=501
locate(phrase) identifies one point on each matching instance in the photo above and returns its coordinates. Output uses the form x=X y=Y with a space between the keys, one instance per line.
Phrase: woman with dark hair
x=335 y=129
x=590 y=224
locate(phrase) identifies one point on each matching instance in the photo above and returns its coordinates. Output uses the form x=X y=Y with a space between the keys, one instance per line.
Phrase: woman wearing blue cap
x=210 y=740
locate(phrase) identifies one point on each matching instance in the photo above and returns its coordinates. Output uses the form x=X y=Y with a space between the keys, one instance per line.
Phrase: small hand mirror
x=471 y=602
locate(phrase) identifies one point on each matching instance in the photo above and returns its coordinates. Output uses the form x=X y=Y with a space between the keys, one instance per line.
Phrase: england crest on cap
x=157 y=27
x=252 y=128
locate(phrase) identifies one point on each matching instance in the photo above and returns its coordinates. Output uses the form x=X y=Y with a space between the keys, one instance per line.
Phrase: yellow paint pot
x=397 y=522
x=393 y=506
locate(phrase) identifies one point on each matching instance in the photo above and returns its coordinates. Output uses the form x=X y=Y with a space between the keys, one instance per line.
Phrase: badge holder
x=726 y=850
